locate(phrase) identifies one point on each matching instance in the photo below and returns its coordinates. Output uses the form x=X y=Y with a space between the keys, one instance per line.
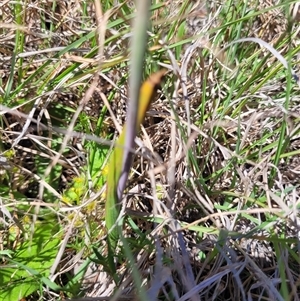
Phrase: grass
x=211 y=205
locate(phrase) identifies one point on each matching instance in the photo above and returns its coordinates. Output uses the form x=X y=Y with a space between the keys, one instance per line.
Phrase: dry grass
x=212 y=205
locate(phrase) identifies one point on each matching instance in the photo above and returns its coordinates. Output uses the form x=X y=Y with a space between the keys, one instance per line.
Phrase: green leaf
x=30 y=265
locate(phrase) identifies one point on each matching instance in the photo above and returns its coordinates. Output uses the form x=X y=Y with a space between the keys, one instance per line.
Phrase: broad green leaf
x=30 y=265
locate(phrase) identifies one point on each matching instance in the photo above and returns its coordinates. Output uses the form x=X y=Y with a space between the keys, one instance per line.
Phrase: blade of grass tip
x=272 y=50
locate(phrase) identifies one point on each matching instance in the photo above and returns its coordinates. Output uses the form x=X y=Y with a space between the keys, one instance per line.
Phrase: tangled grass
x=211 y=210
